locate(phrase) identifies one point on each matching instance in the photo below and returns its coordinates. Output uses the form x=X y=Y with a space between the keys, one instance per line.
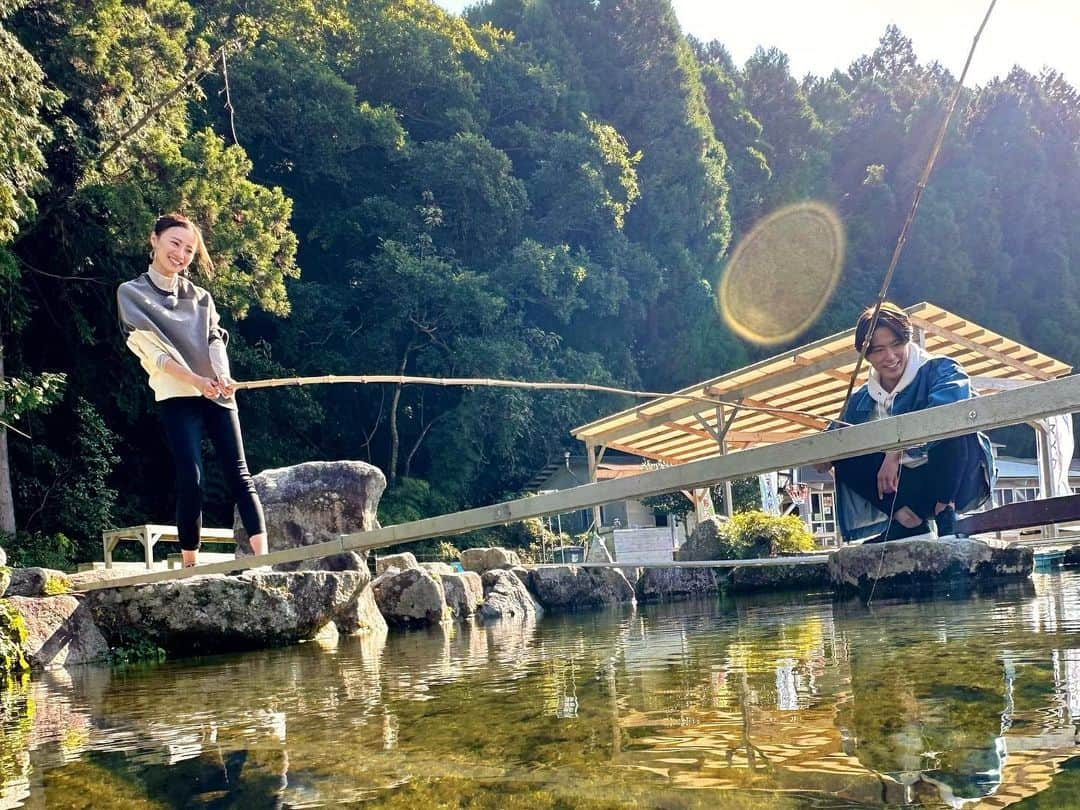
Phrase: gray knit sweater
x=183 y=326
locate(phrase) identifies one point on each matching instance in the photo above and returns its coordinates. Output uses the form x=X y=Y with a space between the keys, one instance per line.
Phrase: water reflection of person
x=244 y=778
x=933 y=725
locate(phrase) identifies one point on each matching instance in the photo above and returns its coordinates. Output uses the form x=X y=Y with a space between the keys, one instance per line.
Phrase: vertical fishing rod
x=919 y=188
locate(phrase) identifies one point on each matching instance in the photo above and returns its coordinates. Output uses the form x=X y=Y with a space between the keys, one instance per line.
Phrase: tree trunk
x=391 y=473
x=7 y=502
x=395 y=439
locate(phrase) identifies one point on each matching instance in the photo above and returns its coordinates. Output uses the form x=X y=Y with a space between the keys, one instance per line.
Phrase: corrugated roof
x=811 y=379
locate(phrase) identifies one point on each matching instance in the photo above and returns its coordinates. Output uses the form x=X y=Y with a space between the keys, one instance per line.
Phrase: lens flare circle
x=782 y=273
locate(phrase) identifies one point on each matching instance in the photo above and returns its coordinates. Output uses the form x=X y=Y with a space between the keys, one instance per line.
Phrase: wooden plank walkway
x=955 y=419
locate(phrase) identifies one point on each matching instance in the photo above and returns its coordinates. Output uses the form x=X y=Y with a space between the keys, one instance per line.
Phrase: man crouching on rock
x=932 y=481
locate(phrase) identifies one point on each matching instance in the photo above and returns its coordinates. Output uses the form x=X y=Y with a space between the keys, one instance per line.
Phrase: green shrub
x=33 y=549
x=750 y=535
x=12 y=639
x=135 y=647
x=447 y=551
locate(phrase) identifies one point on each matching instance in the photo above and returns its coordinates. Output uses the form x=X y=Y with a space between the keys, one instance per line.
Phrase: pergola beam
x=1002 y=357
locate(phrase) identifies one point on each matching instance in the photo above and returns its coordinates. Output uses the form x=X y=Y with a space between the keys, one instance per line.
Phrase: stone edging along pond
x=44 y=624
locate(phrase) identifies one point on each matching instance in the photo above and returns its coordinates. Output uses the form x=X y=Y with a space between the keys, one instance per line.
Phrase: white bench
x=150 y=534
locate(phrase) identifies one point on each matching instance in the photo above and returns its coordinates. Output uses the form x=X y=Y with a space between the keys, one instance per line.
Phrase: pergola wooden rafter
x=810 y=379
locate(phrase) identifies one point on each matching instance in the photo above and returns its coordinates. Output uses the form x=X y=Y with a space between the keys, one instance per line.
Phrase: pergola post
x=722 y=442
x=1046 y=473
x=590 y=456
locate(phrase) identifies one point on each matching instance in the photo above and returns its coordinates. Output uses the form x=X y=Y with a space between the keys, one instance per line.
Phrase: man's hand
x=888 y=477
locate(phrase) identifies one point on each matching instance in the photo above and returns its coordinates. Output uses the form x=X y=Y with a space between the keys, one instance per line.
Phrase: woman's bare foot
x=189 y=557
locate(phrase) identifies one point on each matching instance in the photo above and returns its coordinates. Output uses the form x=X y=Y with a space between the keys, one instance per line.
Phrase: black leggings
x=184 y=419
x=921 y=488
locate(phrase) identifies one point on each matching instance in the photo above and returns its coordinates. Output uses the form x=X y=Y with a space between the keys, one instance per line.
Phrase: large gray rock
x=522 y=573
x=486 y=559
x=399 y=561
x=219 y=613
x=907 y=565
x=37 y=582
x=410 y=598
x=811 y=577
x=362 y=616
x=438 y=568
x=506 y=596
x=570 y=587
x=672 y=584
x=60 y=631
x=704 y=541
x=314 y=503
x=464 y=592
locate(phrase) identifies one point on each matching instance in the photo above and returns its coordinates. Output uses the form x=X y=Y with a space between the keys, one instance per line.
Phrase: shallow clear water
x=789 y=702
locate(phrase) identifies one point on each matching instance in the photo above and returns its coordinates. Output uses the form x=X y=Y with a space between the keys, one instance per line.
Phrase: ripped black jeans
x=949 y=463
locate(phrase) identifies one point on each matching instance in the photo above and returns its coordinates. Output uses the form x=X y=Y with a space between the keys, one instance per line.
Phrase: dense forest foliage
x=541 y=190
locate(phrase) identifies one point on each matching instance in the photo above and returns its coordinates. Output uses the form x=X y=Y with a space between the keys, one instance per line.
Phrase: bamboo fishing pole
x=920 y=186
x=398 y=379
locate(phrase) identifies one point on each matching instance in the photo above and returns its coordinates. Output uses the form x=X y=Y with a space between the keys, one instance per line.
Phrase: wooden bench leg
x=148 y=539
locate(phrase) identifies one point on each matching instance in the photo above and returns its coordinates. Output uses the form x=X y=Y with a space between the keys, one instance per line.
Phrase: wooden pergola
x=810 y=379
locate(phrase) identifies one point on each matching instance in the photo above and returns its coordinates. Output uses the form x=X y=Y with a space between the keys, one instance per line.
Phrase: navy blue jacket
x=940 y=381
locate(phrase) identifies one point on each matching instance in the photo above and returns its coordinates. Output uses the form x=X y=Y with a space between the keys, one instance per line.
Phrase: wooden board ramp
x=955 y=419
x=1025 y=515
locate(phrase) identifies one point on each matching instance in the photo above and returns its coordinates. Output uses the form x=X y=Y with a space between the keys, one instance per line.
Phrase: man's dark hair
x=890 y=316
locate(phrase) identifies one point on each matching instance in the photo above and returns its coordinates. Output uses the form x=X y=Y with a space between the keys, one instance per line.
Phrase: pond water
x=789 y=702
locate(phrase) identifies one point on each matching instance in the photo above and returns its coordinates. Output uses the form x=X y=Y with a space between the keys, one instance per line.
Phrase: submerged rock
x=464 y=592
x=314 y=503
x=669 y=584
x=60 y=631
x=410 y=598
x=916 y=565
x=219 y=613
x=506 y=596
x=569 y=587
x=1072 y=556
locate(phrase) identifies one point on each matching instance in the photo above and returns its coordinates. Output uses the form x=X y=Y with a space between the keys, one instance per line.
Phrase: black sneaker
x=898 y=531
x=945 y=520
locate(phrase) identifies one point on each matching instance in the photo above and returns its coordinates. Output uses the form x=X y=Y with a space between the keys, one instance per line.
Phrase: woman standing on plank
x=933 y=481
x=172 y=326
